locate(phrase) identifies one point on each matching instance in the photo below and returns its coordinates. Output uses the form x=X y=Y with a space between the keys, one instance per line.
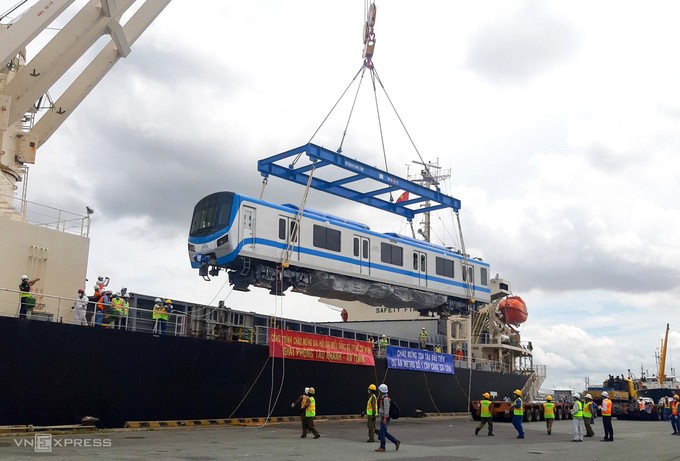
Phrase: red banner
x=306 y=346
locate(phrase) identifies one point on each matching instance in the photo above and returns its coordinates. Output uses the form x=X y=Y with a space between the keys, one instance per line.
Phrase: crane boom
x=662 y=359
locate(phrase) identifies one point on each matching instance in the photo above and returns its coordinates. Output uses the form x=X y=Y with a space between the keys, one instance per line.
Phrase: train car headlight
x=192 y=247
x=222 y=240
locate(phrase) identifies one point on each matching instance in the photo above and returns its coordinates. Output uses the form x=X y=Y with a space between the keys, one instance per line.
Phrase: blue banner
x=403 y=358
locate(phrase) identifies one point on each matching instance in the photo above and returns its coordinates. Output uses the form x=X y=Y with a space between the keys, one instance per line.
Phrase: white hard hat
x=588 y=396
x=126 y=295
x=577 y=396
x=383 y=388
x=306 y=390
x=24 y=277
x=605 y=394
x=423 y=328
x=117 y=295
x=158 y=300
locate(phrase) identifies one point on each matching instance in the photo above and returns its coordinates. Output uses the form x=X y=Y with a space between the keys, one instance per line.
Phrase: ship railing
x=50 y=217
x=60 y=309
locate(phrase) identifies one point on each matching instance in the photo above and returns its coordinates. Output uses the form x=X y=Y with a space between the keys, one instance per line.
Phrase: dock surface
x=425 y=439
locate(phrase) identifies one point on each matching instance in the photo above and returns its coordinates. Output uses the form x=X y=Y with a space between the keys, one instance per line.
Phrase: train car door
x=248 y=226
x=420 y=267
x=288 y=232
x=361 y=250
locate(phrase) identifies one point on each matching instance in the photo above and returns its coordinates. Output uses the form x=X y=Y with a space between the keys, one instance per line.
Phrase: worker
x=588 y=414
x=549 y=413
x=438 y=348
x=371 y=412
x=518 y=413
x=485 y=413
x=156 y=315
x=310 y=414
x=103 y=308
x=423 y=338
x=101 y=283
x=577 y=416
x=606 y=409
x=116 y=310
x=126 y=308
x=384 y=403
x=25 y=289
x=674 y=414
x=80 y=307
x=300 y=404
x=382 y=345
x=459 y=353
x=666 y=408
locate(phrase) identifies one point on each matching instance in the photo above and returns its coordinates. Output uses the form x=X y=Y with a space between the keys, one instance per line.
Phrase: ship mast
x=662 y=360
x=430 y=175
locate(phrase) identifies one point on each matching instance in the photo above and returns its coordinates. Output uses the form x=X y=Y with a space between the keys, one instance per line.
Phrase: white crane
x=22 y=82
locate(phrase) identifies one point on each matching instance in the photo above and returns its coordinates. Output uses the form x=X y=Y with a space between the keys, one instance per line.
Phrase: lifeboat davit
x=514 y=310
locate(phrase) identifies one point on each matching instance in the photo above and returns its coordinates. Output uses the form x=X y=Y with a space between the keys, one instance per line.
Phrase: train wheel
x=558 y=413
x=529 y=415
x=537 y=414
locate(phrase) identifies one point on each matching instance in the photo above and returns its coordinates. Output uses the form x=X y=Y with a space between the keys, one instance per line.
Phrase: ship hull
x=58 y=373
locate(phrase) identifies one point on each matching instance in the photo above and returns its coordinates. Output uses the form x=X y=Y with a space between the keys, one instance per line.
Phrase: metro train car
x=258 y=243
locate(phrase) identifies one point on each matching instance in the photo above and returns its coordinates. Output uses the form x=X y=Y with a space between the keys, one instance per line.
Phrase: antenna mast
x=431 y=175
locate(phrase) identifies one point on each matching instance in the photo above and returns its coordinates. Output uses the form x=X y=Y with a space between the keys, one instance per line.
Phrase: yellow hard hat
x=518 y=392
x=372 y=387
x=168 y=301
x=676 y=396
x=311 y=390
x=549 y=398
x=486 y=395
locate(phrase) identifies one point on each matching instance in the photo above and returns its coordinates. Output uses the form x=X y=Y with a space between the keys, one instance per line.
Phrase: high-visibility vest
x=383 y=341
x=642 y=405
x=674 y=407
x=25 y=290
x=101 y=304
x=126 y=306
x=587 y=410
x=159 y=312
x=518 y=411
x=666 y=403
x=485 y=408
x=423 y=334
x=549 y=410
x=117 y=304
x=310 y=412
x=372 y=405
x=606 y=407
x=579 y=410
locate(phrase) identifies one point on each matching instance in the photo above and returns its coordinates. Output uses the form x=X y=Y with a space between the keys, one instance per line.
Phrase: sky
x=559 y=121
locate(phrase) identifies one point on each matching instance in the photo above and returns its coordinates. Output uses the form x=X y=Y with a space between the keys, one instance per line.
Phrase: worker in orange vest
x=606 y=409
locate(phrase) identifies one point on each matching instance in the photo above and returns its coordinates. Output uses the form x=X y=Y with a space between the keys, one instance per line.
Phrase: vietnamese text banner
x=404 y=358
x=320 y=348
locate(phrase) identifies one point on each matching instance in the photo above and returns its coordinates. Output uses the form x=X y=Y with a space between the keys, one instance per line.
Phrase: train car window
x=468 y=274
x=282 y=228
x=444 y=267
x=484 y=276
x=391 y=254
x=324 y=237
x=293 y=231
x=356 y=246
x=423 y=263
x=364 y=249
x=415 y=261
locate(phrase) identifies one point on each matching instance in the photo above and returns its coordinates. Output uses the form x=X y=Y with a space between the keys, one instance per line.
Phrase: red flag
x=403 y=197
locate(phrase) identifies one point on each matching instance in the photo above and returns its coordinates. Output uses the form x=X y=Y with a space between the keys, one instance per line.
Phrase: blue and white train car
x=258 y=243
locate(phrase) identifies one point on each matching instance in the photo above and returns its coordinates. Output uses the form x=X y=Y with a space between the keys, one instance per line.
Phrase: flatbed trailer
x=533 y=411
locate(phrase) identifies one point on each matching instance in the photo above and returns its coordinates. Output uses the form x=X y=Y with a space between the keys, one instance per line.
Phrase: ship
x=215 y=362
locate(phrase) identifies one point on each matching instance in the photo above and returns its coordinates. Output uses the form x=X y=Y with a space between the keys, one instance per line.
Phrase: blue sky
x=559 y=121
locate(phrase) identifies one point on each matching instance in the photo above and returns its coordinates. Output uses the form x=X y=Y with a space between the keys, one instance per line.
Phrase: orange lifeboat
x=514 y=310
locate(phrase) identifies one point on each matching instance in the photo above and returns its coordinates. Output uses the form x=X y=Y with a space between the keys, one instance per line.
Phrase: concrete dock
x=429 y=439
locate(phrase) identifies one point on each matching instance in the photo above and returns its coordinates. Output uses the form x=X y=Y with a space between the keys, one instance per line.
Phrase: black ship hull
x=57 y=373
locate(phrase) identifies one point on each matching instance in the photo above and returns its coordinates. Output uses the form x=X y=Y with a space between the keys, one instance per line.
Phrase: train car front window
x=211 y=214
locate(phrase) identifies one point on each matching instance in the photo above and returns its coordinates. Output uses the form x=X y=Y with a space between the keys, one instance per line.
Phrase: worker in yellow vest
x=371 y=412
x=518 y=413
x=674 y=414
x=310 y=414
x=485 y=413
x=25 y=307
x=588 y=409
x=423 y=338
x=126 y=308
x=156 y=315
x=116 y=310
x=577 y=416
x=549 y=413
